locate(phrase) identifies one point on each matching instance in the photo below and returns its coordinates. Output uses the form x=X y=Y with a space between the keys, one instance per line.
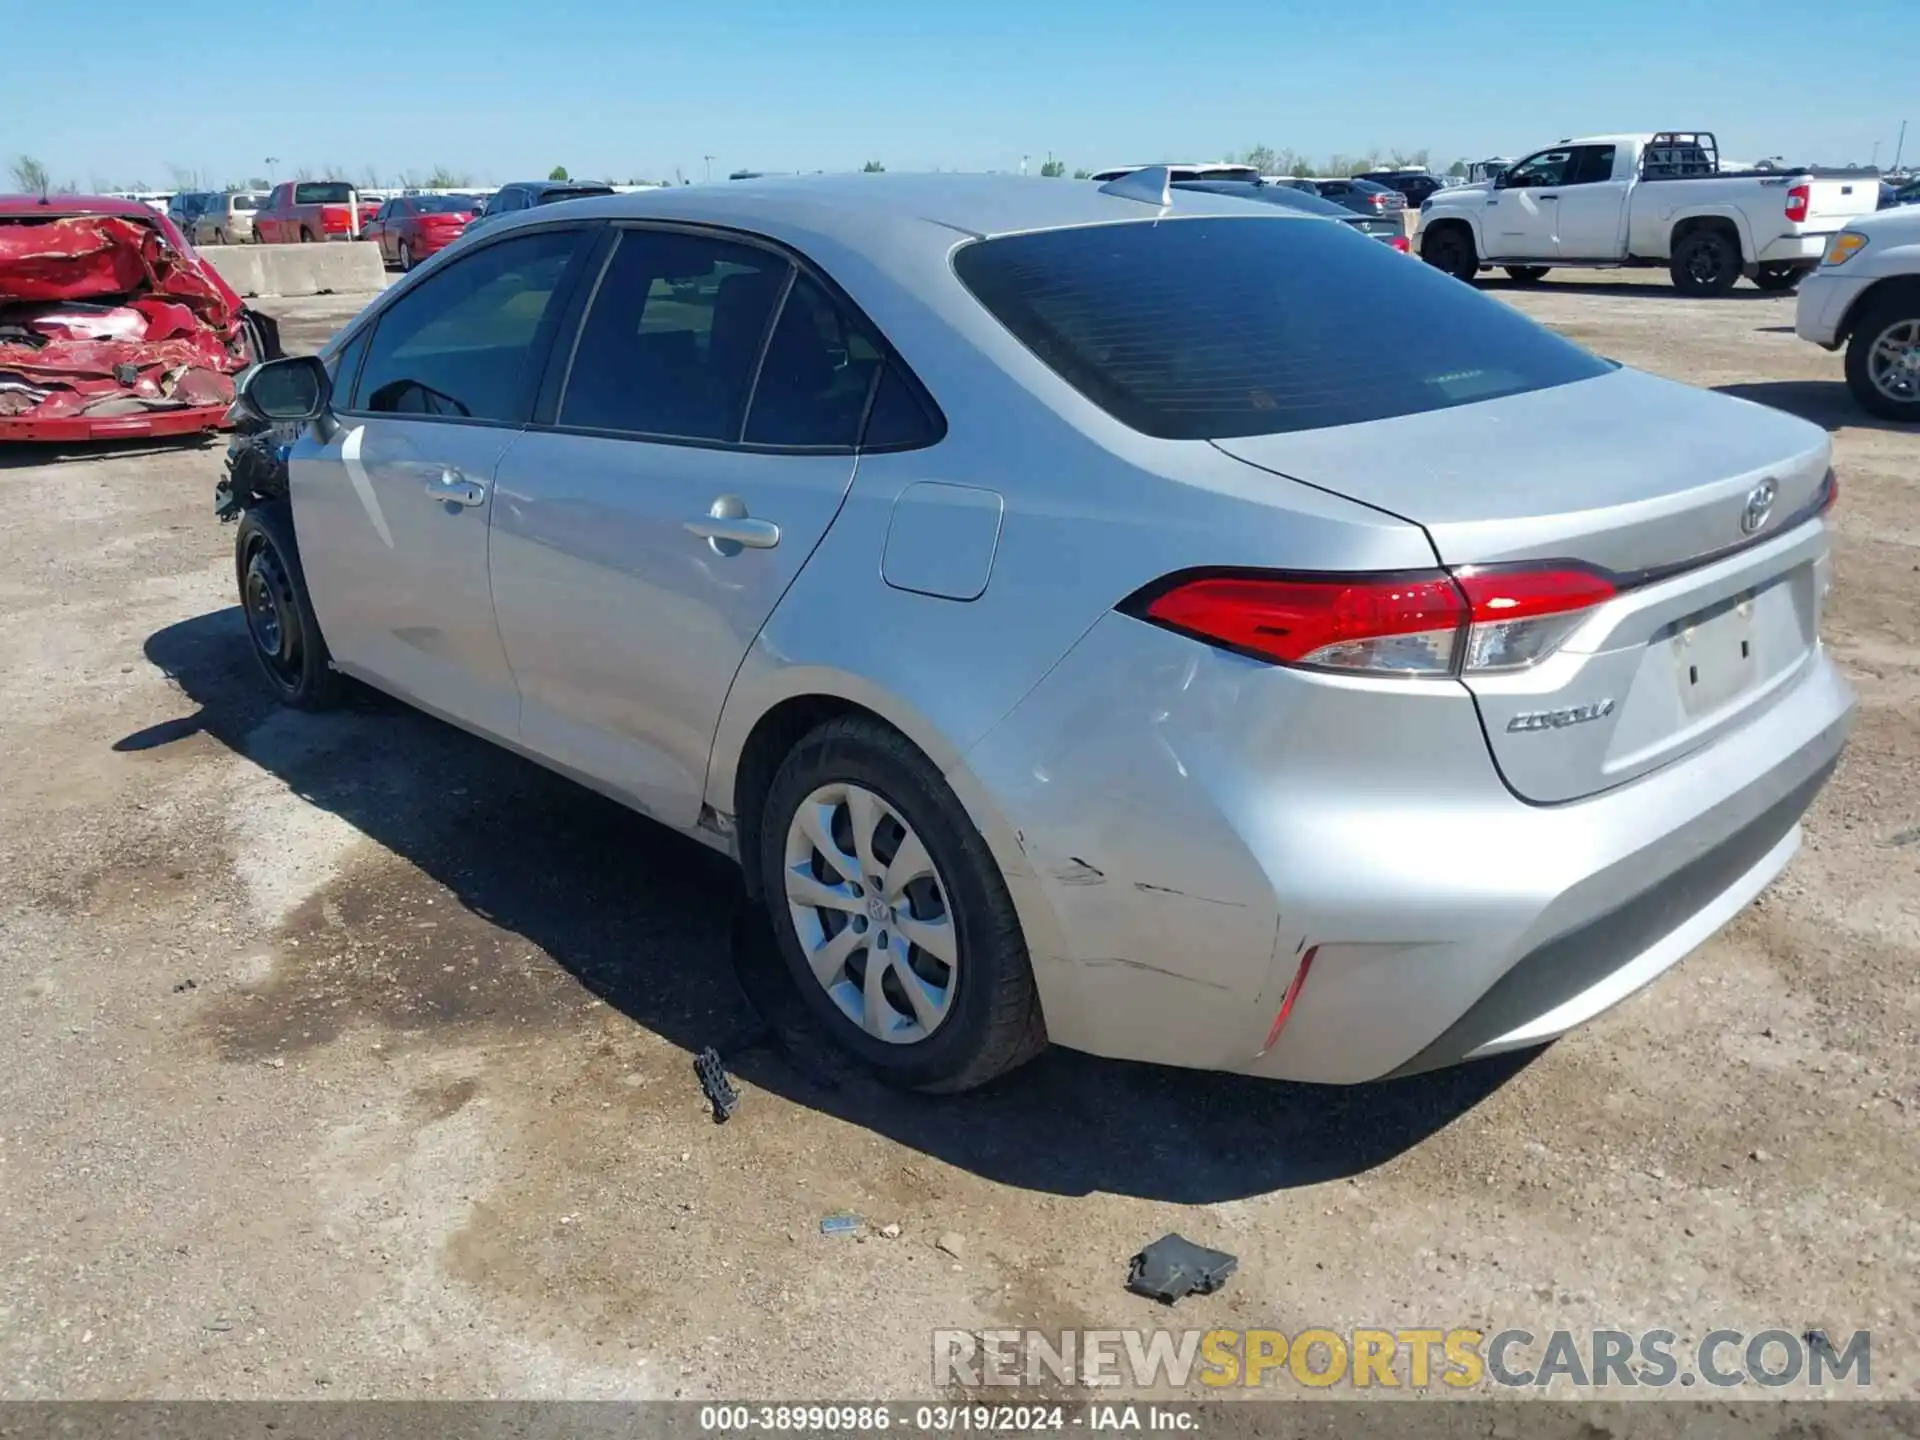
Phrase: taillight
x=1829 y=492
x=1798 y=198
x=1420 y=623
x=1402 y=244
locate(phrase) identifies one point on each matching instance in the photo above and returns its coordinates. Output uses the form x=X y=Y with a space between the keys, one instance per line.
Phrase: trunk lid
x=1644 y=479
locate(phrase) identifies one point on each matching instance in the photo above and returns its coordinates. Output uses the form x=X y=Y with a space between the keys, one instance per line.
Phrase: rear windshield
x=443 y=204
x=246 y=202
x=572 y=192
x=322 y=192
x=1213 y=327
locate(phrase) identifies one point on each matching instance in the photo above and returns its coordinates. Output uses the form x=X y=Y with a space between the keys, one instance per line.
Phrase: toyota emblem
x=1759 y=506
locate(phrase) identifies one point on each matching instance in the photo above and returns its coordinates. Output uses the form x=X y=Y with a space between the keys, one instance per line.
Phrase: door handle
x=1549 y=197
x=728 y=528
x=453 y=488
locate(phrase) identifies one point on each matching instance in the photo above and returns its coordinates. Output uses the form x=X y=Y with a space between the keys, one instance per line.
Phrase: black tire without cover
x=1526 y=274
x=281 y=625
x=1706 y=261
x=992 y=1022
x=1777 y=278
x=1450 y=248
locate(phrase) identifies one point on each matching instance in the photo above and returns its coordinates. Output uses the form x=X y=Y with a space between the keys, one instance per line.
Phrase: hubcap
x=871 y=913
x=271 y=617
x=1893 y=365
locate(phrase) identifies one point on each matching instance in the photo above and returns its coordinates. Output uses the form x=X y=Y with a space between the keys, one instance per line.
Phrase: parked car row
x=1397 y=790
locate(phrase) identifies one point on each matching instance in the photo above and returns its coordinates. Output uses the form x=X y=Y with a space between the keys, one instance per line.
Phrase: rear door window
x=672 y=339
x=816 y=375
x=1212 y=327
x=1591 y=165
x=462 y=344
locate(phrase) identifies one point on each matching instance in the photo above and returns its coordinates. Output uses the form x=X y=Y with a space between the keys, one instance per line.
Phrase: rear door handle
x=729 y=529
x=1549 y=197
x=453 y=488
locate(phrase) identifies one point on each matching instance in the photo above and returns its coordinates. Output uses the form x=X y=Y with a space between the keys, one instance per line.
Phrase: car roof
x=846 y=208
x=74 y=205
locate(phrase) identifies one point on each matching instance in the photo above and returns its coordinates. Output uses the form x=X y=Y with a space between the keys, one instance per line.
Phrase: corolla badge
x=1759 y=506
x=1560 y=719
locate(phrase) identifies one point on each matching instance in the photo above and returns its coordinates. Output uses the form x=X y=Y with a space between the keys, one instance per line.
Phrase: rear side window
x=669 y=345
x=1209 y=328
x=459 y=344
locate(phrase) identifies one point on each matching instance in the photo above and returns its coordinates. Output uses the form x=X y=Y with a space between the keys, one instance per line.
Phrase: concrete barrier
x=332 y=267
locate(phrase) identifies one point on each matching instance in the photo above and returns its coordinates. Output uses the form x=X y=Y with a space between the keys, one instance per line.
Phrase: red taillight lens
x=1522 y=616
x=1798 y=198
x=1829 y=492
x=1406 y=624
x=1292 y=995
x=1422 y=623
x=1402 y=244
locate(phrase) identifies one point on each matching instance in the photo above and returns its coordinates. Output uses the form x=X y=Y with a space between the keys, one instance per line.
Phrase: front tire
x=891 y=913
x=406 y=257
x=1777 y=279
x=1705 y=262
x=1883 y=359
x=285 y=634
x=306 y=236
x=1450 y=248
x=1526 y=274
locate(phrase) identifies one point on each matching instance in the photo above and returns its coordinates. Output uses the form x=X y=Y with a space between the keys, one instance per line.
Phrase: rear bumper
x=1825 y=299
x=149 y=424
x=1804 y=249
x=1180 y=827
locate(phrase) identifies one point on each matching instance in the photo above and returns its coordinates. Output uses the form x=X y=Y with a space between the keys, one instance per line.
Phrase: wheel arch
x=1726 y=220
x=1892 y=287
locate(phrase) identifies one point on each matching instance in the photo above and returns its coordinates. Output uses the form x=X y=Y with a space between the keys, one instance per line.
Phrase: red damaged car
x=111 y=325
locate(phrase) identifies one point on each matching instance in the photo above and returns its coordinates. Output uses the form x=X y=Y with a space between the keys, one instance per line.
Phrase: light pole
x=709 y=160
x=272 y=160
x=1900 y=148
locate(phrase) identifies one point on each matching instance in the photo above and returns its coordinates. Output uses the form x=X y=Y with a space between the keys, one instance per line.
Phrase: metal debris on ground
x=839 y=1224
x=713 y=1079
x=1173 y=1267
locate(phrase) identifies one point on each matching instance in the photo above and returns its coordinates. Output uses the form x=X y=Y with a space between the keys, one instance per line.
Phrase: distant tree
x=305 y=172
x=1409 y=159
x=443 y=178
x=1261 y=158
x=1083 y=174
x=1458 y=167
x=559 y=172
x=370 y=178
x=872 y=167
x=31 y=177
x=1053 y=169
x=259 y=182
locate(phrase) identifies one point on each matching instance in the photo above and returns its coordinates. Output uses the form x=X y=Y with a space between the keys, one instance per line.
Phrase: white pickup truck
x=1611 y=201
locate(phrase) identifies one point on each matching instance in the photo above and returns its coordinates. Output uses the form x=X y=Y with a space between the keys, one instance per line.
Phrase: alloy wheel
x=871 y=913
x=1893 y=365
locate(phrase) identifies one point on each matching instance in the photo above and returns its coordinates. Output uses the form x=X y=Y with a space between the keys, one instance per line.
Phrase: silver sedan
x=1122 y=616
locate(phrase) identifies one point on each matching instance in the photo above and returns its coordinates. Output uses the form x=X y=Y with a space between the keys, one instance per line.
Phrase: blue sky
x=507 y=90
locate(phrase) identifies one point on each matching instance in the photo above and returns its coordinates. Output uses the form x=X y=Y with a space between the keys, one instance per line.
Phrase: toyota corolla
x=1077 y=620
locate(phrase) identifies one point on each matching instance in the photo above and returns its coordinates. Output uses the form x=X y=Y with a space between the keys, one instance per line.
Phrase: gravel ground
x=346 y=1056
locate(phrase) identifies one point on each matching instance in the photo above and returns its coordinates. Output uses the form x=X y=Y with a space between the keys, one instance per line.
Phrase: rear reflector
x=1293 y=994
x=1420 y=623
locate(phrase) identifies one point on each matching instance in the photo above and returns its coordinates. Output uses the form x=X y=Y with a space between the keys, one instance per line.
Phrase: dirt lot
x=346 y=1056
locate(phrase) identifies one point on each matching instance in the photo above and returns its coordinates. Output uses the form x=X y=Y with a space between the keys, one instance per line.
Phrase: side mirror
x=292 y=389
x=1500 y=181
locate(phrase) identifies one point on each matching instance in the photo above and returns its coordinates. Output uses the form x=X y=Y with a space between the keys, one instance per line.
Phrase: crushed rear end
x=111 y=327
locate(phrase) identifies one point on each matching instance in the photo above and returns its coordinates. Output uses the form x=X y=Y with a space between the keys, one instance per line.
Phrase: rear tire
x=1705 y=262
x=285 y=634
x=1883 y=359
x=406 y=257
x=306 y=236
x=1777 y=279
x=1450 y=248
x=1526 y=274
x=872 y=793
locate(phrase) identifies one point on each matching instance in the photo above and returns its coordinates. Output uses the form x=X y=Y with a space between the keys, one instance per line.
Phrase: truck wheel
x=1450 y=248
x=1883 y=359
x=1777 y=278
x=891 y=913
x=280 y=620
x=1705 y=262
x=1527 y=274
x=406 y=257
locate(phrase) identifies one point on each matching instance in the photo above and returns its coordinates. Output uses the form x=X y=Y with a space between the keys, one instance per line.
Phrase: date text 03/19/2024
x=943 y=1419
